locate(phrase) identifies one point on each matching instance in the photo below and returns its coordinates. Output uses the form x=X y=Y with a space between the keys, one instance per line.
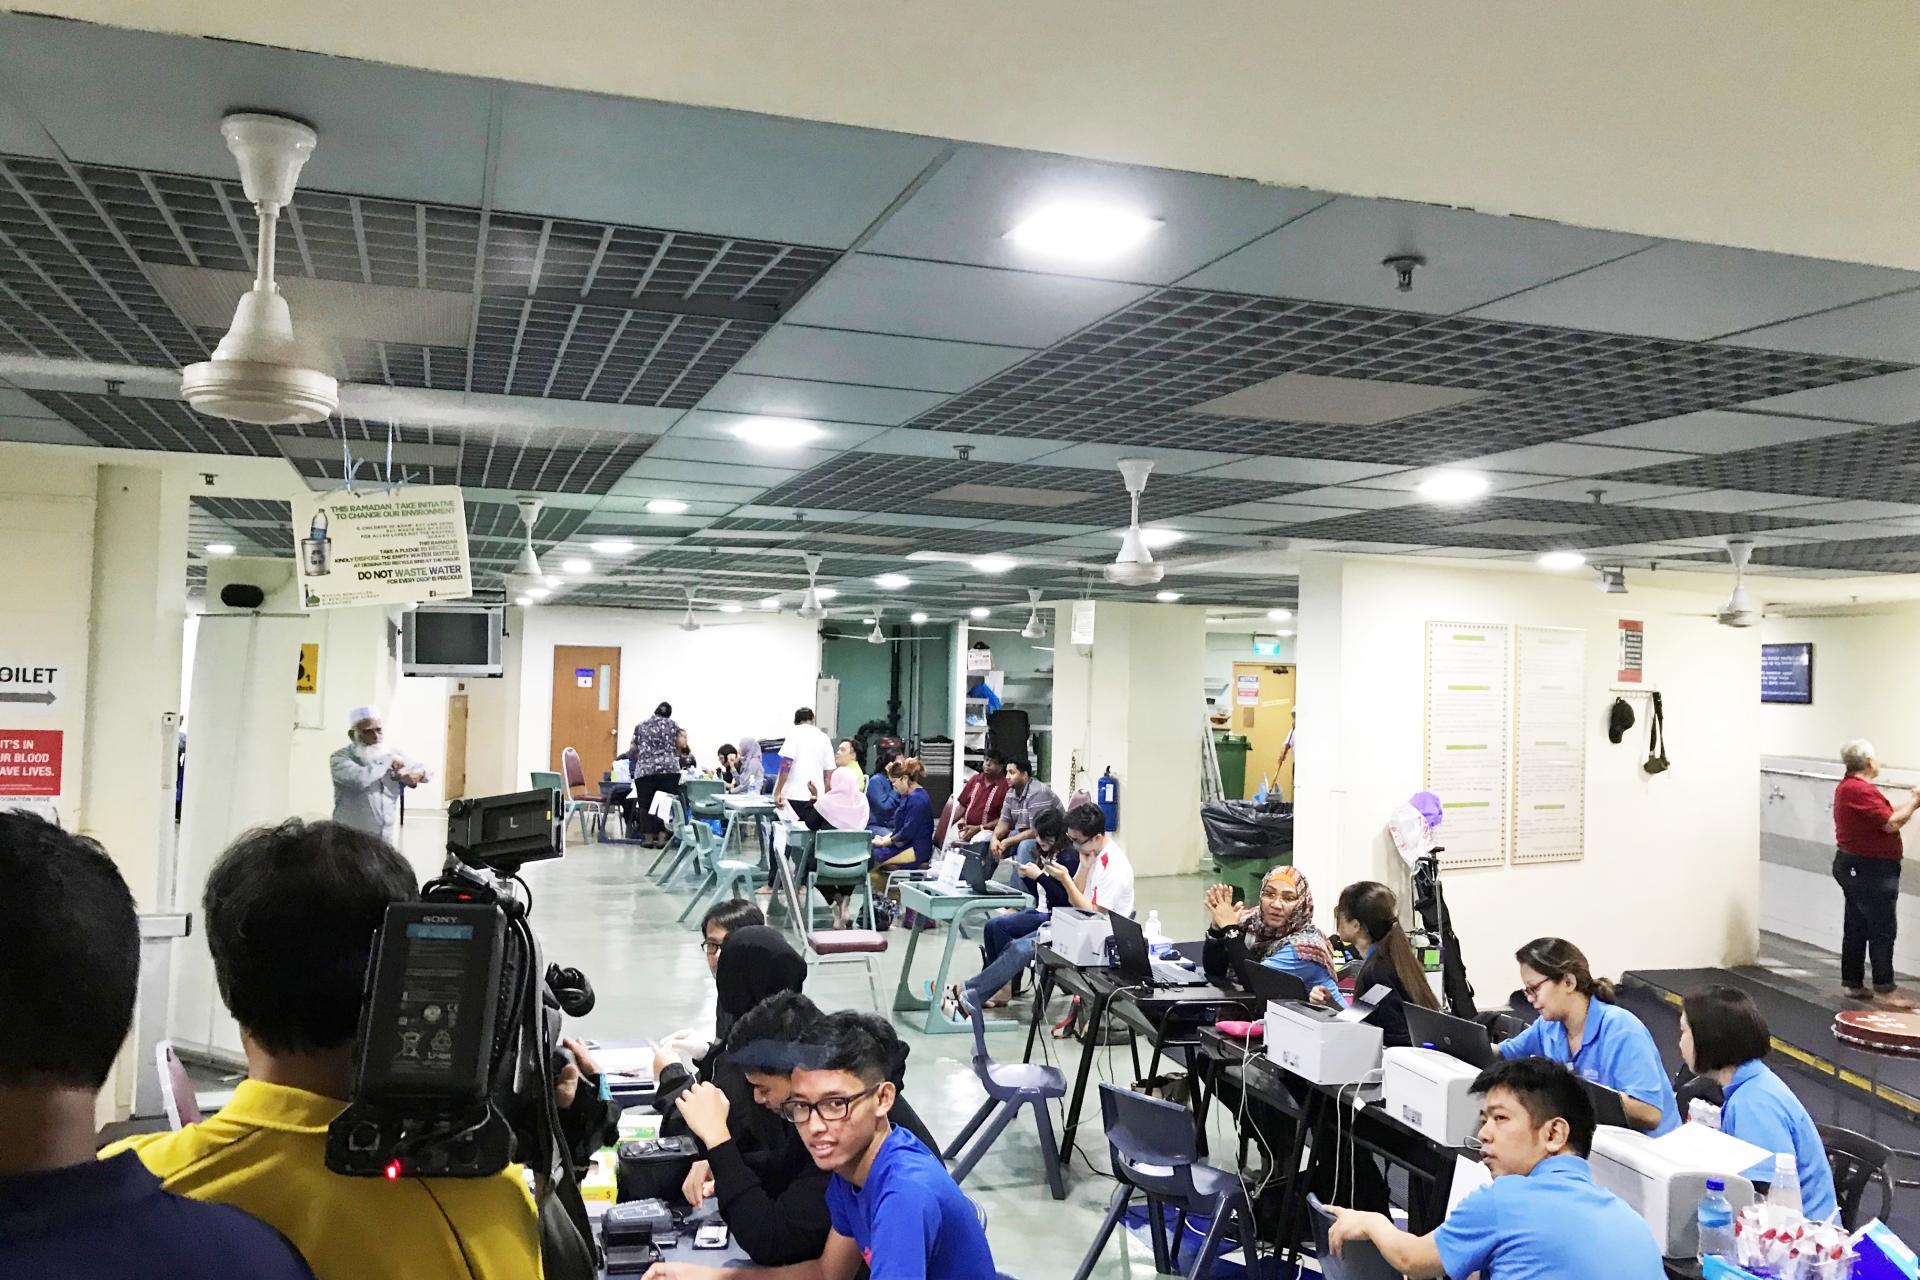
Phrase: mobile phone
x=711 y=1235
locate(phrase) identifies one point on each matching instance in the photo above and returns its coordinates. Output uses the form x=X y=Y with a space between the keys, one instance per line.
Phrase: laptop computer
x=1464 y=1039
x=1269 y=984
x=1137 y=964
x=973 y=877
x=1609 y=1108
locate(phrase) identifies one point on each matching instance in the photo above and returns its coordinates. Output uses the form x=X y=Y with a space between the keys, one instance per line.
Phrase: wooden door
x=456 y=745
x=1263 y=710
x=586 y=708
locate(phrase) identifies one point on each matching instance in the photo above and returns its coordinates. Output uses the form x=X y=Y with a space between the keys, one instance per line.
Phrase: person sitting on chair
x=1279 y=933
x=910 y=843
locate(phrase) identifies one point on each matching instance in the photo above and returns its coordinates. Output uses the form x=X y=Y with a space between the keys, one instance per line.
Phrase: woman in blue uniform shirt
x=1581 y=1026
x=1722 y=1035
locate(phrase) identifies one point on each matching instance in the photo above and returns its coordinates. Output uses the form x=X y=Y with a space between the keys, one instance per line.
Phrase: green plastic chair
x=679 y=845
x=725 y=877
x=841 y=860
x=703 y=798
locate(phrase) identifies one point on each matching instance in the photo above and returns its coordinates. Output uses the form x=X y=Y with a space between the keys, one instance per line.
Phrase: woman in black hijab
x=755 y=962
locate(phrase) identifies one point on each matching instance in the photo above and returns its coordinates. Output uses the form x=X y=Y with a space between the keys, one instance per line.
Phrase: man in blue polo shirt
x=1543 y=1218
x=893 y=1204
x=67 y=986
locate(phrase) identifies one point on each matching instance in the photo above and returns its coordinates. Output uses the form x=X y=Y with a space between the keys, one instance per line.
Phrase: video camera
x=458 y=1052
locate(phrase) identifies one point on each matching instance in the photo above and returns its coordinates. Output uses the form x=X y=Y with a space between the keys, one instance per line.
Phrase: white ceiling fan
x=1134 y=566
x=1738 y=610
x=688 y=623
x=1035 y=629
x=810 y=606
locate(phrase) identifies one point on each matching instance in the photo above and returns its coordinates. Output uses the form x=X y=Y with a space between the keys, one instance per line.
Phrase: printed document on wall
x=1466 y=747
x=1550 y=745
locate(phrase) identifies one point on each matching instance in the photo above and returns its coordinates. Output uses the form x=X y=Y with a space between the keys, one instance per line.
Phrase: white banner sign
x=382 y=548
x=1082 y=632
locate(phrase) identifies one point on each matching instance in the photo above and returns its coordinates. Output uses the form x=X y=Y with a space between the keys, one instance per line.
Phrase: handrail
x=1832 y=777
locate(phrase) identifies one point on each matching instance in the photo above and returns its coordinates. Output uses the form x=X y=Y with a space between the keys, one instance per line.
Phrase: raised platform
x=1800 y=1017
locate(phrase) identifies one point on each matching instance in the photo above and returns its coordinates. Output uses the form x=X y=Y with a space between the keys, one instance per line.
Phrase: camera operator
x=291 y=914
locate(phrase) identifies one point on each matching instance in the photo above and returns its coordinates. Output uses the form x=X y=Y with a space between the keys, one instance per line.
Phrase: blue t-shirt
x=1616 y=1051
x=1311 y=972
x=1553 y=1224
x=910 y=1219
x=109 y=1220
x=912 y=827
x=1760 y=1109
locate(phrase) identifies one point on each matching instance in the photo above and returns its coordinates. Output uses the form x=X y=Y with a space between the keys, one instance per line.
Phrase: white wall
x=1671 y=871
x=723 y=680
x=1866 y=684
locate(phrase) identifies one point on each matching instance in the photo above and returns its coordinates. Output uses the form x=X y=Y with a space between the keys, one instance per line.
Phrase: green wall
x=865 y=674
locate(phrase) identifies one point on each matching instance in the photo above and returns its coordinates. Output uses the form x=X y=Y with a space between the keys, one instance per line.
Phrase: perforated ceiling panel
x=499 y=520
x=1581 y=525
x=129 y=422
x=1881 y=464
x=904 y=535
x=1136 y=375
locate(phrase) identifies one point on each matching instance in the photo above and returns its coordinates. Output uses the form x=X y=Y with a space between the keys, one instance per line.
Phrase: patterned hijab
x=1309 y=943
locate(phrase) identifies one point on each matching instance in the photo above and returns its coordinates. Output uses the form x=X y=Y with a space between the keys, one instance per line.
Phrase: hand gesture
x=1350 y=1225
x=704 y=1107
x=568 y=1084
x=699 y=1183
x=1319 y=996
x=1221 y=906
x=1058 y=871
x=1028 y=870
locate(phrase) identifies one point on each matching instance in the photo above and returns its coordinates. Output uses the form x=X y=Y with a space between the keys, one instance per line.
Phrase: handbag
x=1657 y=761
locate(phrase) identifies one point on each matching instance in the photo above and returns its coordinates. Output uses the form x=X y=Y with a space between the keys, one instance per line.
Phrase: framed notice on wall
x=1466 y=739
x=1550 y=746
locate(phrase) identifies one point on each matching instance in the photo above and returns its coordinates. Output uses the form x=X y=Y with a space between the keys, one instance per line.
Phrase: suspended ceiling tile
x=1638 y=550
x=694 y=168
x=877 y=359
x=155 y=102
x=15 y=403
x=733 y=473
x=791 y=515
x=1845 y=532
x=1270 y=513
x=969 y=304
x=41 y=430
x=700 y=449
x=963 y=213
x=708 y=424
x=912 y=442
x=653 y=486
x=1312 y=471
x=1611 y=490
x=795 y=398
x=1698 y=291
x=1724 y=500
x=1469 y=553
x=1883 y=329
x=1571 y=459
x=930 y=521
x=1038 y=527
x=1516 y=527
x=1334 y=254
x=1354 y=498
x=1891 y=399
x=1339 y=401
x=1856 y=510
x=1719 y=431
x=1406 y=482
x=1217 y=524
x=1166 y=462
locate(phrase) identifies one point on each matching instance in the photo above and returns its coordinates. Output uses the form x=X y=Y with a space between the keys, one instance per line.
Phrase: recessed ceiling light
x=729 y=607
x=1279 y=615
x=1283 y=634
x=577 y=566
x=979 y=611
x=993 y=564
x=771 y=604
x=917 y=618
x=869 y=622
x=219 y=548
x=667 y=507
x=1155 y=538
x=1562 y=560
x=524 y=601
x=612 y=548
x=1082 y=231
x=1166 y=597
x=827 y=593
x=777 y=433
x=538 y=593
x=555 y=580
x=1452 y=486
x=893 y=581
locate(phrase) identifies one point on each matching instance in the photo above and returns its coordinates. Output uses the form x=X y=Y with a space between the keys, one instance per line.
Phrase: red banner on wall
x=30 y=762
x=1633 y=652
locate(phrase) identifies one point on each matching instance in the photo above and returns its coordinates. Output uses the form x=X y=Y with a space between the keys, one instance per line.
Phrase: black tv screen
x=451 y=642
x=1786 y=673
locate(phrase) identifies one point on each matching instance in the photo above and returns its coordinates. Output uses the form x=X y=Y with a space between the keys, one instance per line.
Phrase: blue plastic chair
x=1155 y=1152
x=1010 y=1086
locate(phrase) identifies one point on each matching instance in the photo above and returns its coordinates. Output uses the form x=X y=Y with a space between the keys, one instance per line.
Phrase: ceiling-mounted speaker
x=242 y=595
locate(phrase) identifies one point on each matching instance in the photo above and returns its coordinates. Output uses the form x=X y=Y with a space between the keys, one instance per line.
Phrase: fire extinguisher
x=1107 y=795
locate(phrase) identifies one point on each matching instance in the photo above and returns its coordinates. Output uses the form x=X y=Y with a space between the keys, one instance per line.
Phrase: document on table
x=1702 y=1147
x=1468 y=1177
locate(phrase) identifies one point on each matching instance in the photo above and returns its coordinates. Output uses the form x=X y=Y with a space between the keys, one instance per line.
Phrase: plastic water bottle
x=1152 y=928
x=1715 y=1217
x=1785 y=1190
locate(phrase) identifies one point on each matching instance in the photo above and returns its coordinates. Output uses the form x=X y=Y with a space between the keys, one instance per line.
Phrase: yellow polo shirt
x=265 y=1153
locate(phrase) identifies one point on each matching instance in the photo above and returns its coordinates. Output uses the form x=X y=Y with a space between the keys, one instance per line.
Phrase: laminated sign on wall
x=382 y=547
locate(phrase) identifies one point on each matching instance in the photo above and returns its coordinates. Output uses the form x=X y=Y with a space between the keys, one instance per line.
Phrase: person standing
x=655 y=754
x=368 y=778
x=1866 y=864
x=806 y=765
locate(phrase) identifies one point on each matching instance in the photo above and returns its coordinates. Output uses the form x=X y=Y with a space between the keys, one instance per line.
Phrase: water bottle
x=1715 y=1217
x=1152 y=928
x=1785 y=1190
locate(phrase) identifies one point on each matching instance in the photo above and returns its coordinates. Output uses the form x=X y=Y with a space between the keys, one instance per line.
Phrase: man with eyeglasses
x=891 y=1201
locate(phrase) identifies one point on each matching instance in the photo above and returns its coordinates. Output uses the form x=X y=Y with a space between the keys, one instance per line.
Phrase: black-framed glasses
x=1532 y=988
x=832 y=1110
x=711 y=947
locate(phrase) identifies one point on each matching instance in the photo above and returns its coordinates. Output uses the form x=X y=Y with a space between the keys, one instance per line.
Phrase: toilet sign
x=31 y=688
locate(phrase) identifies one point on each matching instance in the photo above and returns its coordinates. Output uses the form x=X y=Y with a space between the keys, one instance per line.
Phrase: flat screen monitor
x=451 y=641
x=1786 y=673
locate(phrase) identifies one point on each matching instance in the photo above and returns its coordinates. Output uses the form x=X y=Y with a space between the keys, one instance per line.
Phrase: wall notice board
x=1466 y=739
x=1550 y=744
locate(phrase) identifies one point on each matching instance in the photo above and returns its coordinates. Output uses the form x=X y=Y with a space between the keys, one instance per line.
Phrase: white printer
x=1427 y=1090
x=1321 y=1045
x=1663 y=1190
x=1081 y=937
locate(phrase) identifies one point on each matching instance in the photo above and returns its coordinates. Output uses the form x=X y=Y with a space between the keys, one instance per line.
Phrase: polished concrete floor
x=598 y=910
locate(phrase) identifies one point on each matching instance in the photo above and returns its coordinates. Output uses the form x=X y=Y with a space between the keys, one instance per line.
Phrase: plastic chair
x=1858 y=1163
x=1361 y=1260
x=581 y=803
x=1153 y=1148
x=1010 y=1086
x=680 y=845
x=841 y=860
x=725 y=877
x=176 y=1089
x=703 y=798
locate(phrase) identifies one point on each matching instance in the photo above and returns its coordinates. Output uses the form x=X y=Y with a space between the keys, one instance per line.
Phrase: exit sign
x=1266 y=646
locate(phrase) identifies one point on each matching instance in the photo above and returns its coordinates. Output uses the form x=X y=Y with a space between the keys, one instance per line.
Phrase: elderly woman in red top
x=1866 y=829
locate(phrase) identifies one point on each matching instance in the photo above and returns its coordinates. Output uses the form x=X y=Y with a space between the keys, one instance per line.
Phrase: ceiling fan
x=1738 y=610
x=1134 y=566
x=1035 y=629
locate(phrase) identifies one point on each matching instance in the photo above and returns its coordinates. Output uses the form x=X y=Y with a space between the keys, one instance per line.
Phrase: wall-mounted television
x=1786 y=673
x=451 y=640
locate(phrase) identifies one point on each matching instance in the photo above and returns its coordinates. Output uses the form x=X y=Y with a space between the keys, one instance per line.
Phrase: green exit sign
x=1266 y=646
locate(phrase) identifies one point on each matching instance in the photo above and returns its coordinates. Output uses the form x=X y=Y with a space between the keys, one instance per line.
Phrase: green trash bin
x=1232 y=749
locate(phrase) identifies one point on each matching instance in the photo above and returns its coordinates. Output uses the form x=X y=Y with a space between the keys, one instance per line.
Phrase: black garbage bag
x=1239 y=829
